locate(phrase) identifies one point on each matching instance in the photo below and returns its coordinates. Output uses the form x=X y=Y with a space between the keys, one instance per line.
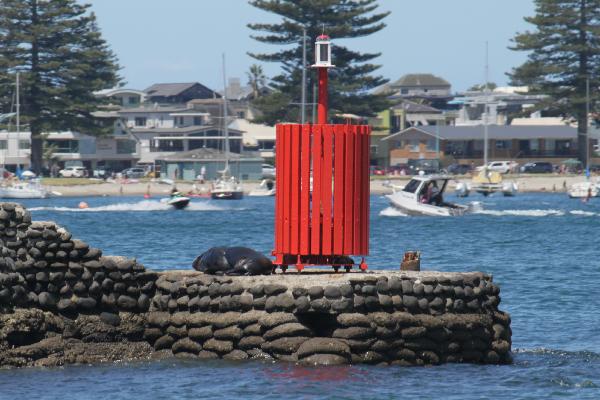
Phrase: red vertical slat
x=366 y=188
x=295 y=190
x=327 y=173
x=349 y=195
x=305 y=191
x=286 y=188
x=338 y=192
x=278 y=189
x=358 y=188
x=317 y=159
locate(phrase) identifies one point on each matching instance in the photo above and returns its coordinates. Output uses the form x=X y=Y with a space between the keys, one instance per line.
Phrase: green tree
x=563 y=53
x=58 y=49
x=482 y=87
x=350 y=82
x=256 y=79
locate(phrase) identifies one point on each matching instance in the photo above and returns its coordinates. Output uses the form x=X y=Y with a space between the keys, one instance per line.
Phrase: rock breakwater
x=62 y=301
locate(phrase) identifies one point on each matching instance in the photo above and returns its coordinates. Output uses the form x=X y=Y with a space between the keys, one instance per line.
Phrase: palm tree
x=256 y=79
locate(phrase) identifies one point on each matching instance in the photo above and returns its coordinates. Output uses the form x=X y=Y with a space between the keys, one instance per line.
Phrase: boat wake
x=521 y=213
x=144 y=205
x=392 y=212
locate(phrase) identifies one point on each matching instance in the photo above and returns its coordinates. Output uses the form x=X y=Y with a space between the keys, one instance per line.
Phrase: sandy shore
x=537 y=183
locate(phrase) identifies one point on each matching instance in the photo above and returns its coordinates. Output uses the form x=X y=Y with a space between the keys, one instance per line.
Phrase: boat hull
x=430 y=210
x=9 y=193
x=226 y=195
x=179 y=203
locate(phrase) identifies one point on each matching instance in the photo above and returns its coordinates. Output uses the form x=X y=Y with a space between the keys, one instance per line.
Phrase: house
x=257 y=137
x=15 y=149
x=420 y=85
x=188 y=165
x=114 y=152
x=122 y=97
x=178 y=93
x=464 y=144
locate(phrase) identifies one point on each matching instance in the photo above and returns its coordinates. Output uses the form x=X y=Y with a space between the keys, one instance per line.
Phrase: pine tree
x=62 y=59
x=564 y=52
x=351 y=80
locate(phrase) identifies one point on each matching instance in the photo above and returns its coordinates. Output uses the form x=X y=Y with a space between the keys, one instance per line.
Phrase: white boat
x=509 y=188
x=423 y=195
x=266 y=188
x=582 y=190
x=487 y=182
x=226 y=187
x=462 y=189
x=24 y=190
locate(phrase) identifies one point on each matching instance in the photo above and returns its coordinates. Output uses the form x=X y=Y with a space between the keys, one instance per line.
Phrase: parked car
x=73 y=172
x=459 y=169
x=101 y=173
x=427 y=166
x=537 y=168
x=503 y=167
x=268 y=171
x=133 y=173
x=377 y=170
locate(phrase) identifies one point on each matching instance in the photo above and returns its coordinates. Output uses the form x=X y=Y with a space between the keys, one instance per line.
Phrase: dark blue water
x=541 y=248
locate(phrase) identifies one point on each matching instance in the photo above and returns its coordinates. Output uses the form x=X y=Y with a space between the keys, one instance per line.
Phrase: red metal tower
x=322 y=186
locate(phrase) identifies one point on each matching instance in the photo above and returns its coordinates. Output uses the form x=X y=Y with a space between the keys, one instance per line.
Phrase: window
x=266 y=144
x=431 y=144
x=64 y=146
x=503 y=144
x=24 y=145
x=166 y=145
x=414 y=146
x=125 y=146
x=140 y=121
x=241 y=114
x=323 y=52
x=133 y=100
x=403 y=91
x=3 y=144
x=411 y=186
x=197 y=120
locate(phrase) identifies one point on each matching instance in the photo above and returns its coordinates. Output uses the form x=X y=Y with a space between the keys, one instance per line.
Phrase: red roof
x=323 y=37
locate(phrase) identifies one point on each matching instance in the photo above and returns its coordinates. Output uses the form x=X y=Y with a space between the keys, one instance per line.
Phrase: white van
x=503 y=167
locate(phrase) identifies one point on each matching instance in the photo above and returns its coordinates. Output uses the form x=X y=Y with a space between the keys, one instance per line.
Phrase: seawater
x=541 y=248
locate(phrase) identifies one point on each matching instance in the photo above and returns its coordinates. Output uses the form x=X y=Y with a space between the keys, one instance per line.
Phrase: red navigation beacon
x=322 y=187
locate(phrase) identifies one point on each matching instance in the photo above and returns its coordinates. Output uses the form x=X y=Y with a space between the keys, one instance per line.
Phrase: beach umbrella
x=28 y=174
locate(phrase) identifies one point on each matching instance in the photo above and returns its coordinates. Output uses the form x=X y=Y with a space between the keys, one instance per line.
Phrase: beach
x=379 y=185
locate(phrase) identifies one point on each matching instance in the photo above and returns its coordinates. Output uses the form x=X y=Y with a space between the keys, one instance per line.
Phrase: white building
x=15 y=149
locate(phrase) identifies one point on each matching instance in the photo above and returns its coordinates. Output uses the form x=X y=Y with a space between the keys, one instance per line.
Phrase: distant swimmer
x=83 y=205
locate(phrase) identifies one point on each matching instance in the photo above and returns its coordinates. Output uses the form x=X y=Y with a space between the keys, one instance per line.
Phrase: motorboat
x=423 y=195
x=226 y=188
x=487 y=182
x=582 y=190
x=178 y=201
x=509 y=189
x=266 y=188
x=462 y=189
x=31 y=189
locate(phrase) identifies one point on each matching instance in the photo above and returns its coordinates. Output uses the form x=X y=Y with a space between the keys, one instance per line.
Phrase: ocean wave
x=583 y=213
x=392 y=212
x=144 y=205
x=590 y=355
x=522 y=213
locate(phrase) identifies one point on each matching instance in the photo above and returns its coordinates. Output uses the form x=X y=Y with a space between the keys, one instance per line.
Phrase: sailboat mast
x=18 y=105
x=225 y=118
x=486 y=108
